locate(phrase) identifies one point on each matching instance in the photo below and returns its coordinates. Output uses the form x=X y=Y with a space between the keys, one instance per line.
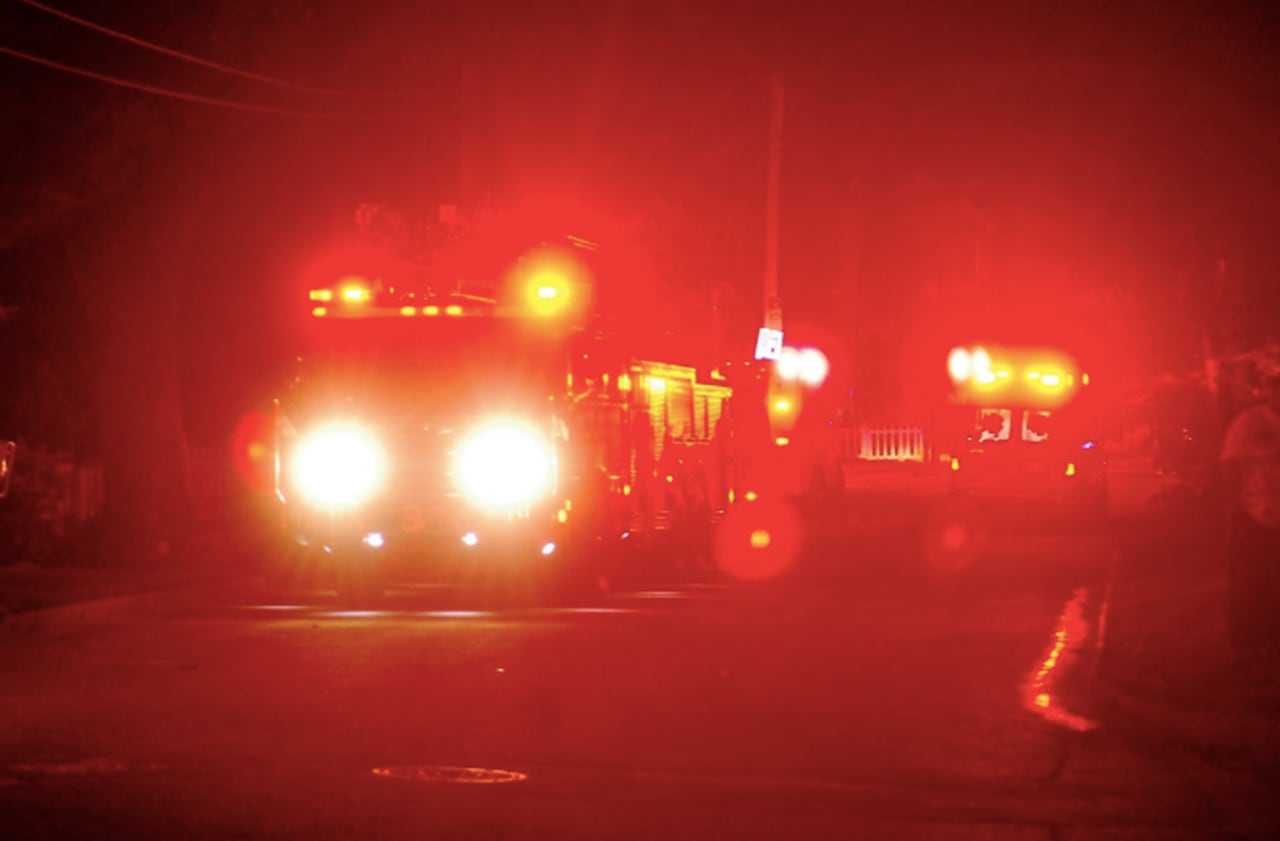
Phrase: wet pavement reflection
x=1042 y=692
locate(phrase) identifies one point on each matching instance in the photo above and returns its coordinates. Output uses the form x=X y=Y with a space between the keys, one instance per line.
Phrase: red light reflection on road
x=954 y=536
x=954 y=540
x=759 y=540
x=97 y=765
x=450 y=774
x=1039 y=693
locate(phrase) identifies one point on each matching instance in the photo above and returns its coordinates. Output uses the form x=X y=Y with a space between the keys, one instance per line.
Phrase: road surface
x=912 y=676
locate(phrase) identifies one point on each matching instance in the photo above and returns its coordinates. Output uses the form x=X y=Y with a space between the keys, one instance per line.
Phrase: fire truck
x=1022 y=422
x=509 y=436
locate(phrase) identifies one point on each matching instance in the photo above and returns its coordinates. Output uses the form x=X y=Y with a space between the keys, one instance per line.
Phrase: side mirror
x=8 y=450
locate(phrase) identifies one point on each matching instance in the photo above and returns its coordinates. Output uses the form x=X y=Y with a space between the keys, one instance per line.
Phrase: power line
x=172 y=94
x=203 y=62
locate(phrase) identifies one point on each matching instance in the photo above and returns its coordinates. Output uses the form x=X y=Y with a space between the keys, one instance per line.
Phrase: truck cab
x=506 y=441
x=1022 y=424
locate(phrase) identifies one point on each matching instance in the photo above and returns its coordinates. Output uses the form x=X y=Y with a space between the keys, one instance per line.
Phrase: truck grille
x=419 y=464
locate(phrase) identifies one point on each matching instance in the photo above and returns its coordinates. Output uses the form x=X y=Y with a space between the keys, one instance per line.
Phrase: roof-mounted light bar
x=1021 y=374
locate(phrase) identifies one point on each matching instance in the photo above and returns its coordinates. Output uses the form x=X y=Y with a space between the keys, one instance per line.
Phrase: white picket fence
x=884 y=442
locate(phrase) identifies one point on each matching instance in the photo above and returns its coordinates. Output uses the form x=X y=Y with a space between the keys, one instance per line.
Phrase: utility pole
x=469 y=188
x=982 y=263
x=982 y=245
x=772 y=304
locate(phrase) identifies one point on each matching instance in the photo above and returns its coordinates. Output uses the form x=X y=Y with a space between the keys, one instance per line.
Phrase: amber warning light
x=546 y=284
x=1026 y=375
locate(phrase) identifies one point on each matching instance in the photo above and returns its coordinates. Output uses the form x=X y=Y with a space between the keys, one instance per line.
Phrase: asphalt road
x=918 y=673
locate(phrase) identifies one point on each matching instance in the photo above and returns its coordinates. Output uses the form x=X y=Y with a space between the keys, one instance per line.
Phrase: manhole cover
x=449 y=774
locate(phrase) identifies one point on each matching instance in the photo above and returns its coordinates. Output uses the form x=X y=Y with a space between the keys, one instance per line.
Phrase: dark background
x=1096 y=174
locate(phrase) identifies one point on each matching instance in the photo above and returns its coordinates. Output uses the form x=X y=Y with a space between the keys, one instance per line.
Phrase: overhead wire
x=197 y=60
x=167 y=92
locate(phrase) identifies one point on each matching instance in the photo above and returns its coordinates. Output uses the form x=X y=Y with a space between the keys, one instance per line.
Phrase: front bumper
x=410 y=535
x=1047 y=481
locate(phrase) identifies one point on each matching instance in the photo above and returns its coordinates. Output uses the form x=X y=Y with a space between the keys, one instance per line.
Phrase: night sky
x=1108 y=158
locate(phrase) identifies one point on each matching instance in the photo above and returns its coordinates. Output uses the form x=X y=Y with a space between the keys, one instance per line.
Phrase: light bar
x=980 y=361
x=455 y=310
x=361 y=302
x=1036 y=376
x=959 y=364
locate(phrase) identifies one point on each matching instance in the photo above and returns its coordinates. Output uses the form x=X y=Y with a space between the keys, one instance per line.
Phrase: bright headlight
x=338 y=466
x=505 y=465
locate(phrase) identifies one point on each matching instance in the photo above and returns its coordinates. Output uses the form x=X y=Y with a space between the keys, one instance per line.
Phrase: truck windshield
x=446 y=362
x=1030 y=426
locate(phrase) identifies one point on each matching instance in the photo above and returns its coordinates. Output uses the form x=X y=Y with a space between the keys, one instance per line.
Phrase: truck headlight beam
x=505 y=465
x=338 y=466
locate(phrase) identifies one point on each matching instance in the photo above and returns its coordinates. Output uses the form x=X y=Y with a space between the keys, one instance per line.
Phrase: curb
x=69 y=618
x=1254 y=736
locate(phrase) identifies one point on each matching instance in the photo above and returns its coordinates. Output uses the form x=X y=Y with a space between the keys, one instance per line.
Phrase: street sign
x=768 y=343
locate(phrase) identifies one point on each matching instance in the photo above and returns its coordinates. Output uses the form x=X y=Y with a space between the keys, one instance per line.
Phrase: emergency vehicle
x=1021 y=422
x=783 y=439
x=500 y=435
